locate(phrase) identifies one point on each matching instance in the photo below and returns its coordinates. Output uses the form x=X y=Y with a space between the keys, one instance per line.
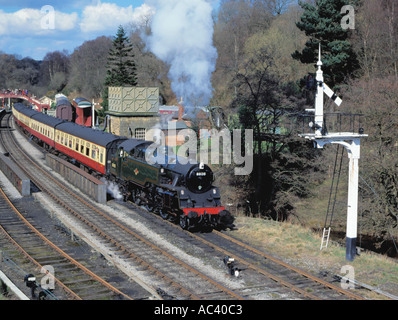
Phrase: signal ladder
x=332 y=194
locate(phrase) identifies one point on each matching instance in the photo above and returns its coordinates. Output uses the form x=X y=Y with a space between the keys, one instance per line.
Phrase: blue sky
x=33 y=28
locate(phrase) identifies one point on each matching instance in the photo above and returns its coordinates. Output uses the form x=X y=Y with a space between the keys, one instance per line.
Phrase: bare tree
x=376 y=39
x=88 y=67
x=55 y=69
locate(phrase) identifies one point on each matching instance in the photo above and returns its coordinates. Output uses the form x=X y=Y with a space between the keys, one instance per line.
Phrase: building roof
x=82 y=102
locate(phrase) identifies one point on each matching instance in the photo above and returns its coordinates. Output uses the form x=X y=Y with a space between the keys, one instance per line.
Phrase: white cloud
x=142 y=14
x=102 y=17
x=108 y=16
x=29 y=31
x=30 y=22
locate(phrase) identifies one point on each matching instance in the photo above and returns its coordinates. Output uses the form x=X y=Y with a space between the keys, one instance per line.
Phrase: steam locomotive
x=182 y=193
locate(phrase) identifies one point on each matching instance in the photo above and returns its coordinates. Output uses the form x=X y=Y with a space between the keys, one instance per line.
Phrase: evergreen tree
x=121 y=69
x=322 y=23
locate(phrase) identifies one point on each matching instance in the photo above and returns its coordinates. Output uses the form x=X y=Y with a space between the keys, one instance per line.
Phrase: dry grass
x=301 y=247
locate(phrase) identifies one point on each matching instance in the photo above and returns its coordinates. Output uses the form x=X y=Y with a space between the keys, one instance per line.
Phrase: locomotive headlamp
x=182 y=192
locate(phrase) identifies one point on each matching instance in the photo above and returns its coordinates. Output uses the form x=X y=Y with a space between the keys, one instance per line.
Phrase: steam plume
x=182 y=36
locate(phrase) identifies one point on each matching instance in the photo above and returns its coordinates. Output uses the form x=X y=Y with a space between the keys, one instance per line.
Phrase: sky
x=33 y=28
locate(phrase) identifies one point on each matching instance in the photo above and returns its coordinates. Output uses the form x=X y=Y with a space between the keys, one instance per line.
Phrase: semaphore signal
x=351 y=142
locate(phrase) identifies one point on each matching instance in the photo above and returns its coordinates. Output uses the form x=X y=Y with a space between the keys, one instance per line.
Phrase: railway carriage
x=92 y=148
x=42 y=127
x=22 y=116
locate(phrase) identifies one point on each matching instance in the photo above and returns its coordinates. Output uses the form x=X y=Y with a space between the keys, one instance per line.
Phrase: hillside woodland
x=266 y=51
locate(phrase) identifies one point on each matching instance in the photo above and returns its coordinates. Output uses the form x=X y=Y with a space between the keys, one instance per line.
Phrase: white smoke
x=182 y=36
x=113 y=189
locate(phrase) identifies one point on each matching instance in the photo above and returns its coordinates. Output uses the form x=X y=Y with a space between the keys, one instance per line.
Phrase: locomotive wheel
x=150 y=206
x=183 y=222
x=134 y=195
x=164 y=214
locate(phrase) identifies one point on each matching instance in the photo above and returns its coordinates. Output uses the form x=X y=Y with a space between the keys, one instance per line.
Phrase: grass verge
x=301 y=247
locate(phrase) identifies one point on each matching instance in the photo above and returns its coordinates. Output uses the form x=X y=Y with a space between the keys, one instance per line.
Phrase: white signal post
x=352 y=143
x=319 y=98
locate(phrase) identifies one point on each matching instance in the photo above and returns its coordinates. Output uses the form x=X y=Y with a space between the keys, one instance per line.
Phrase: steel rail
x=275 y=260
x=257 y=269
x=298 y=270
x=26 y=254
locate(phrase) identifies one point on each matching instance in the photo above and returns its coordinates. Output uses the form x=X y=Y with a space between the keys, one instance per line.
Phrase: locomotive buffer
x=351 y=141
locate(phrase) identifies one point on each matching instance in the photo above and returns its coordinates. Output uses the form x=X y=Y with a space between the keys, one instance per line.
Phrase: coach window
x=77 y=145
x=88 y=150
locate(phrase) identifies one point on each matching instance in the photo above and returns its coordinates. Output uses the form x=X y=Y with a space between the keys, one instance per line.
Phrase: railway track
x=170 y=277
x=41 y=252
x=268 y=275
